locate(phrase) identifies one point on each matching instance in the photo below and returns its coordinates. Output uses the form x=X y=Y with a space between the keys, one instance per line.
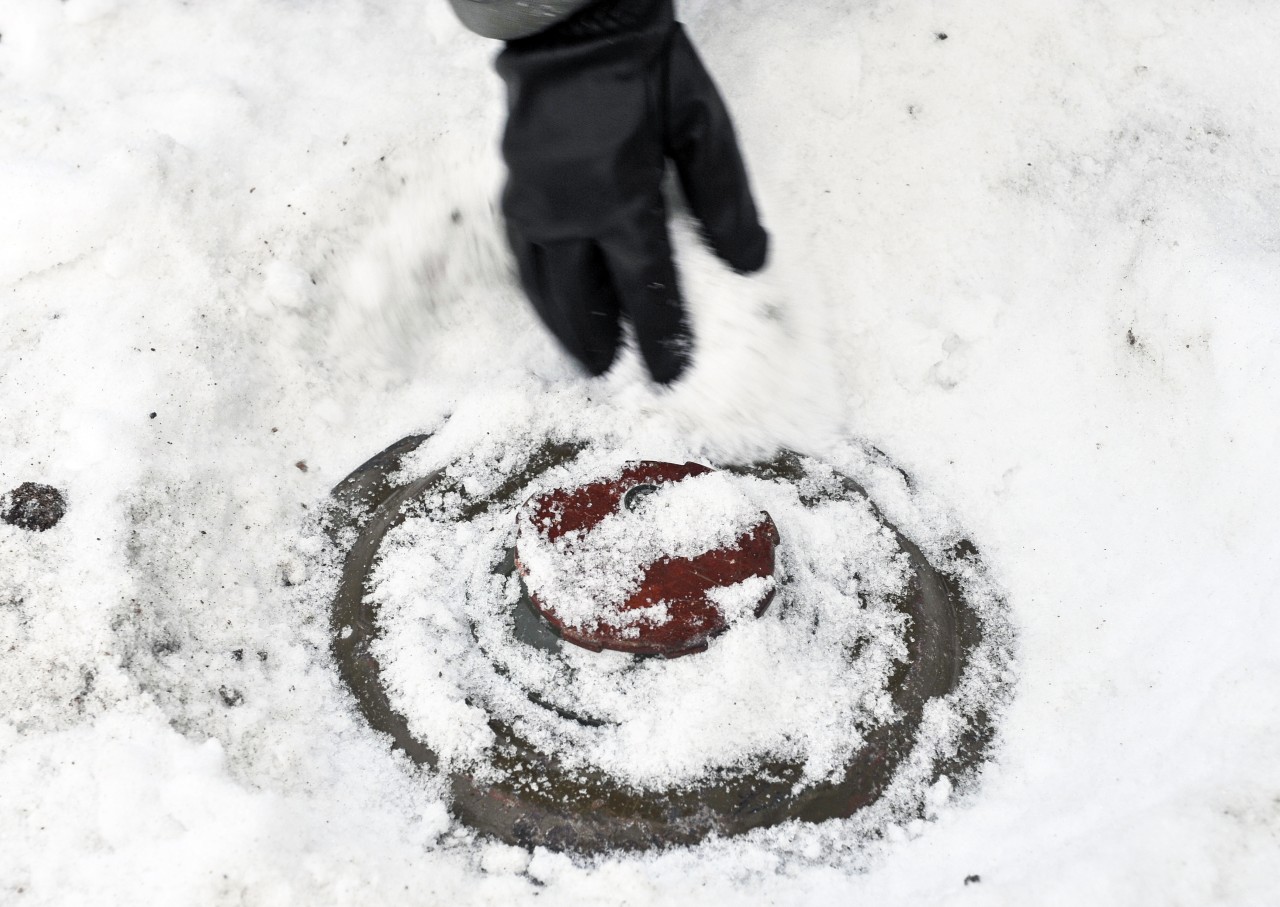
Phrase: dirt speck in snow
x=33 y=507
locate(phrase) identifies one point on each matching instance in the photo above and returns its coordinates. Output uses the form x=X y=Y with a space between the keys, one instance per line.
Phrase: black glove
x=596 y=105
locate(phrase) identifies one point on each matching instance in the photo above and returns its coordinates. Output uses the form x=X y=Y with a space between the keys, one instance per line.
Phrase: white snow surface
x=1037 y=263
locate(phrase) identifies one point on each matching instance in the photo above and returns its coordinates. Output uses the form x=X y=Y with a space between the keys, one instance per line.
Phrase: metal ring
x=544 y=805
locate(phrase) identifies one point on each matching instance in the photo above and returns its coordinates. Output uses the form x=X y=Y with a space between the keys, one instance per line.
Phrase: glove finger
x=569 y=286
x=701 y=141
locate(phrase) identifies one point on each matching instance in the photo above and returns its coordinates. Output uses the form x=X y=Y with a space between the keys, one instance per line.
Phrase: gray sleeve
x=510 y=19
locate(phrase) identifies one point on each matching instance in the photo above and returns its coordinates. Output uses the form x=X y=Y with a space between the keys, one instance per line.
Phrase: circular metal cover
x=683 y=584
x=538 y=801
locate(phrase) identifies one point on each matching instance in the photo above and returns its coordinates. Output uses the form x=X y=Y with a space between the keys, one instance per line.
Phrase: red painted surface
x=683 y=583
x=568 y=510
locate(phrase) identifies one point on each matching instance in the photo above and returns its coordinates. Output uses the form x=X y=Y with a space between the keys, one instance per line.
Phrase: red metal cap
x=683 y=584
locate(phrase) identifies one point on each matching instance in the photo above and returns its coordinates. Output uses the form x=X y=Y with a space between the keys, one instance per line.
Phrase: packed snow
x=1032 y=254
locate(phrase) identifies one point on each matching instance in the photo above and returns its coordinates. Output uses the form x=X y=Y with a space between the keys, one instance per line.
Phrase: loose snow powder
x=588 y=574
x=800 y=683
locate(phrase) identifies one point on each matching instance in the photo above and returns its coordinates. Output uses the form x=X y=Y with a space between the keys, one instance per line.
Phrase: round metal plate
x=684 y=584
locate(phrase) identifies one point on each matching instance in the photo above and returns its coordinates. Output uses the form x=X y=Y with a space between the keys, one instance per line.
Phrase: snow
x=1036 y=263
x=451 y=659
x=586 y=576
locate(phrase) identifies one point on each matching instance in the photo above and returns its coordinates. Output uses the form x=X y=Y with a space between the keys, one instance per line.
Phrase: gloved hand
x=596 y=106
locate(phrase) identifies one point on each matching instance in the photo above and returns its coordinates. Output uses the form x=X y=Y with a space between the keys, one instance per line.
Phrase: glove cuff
x=602 y=19
x=507 y=20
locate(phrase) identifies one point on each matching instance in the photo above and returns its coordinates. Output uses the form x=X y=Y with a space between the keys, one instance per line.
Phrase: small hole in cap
x=631 y=500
